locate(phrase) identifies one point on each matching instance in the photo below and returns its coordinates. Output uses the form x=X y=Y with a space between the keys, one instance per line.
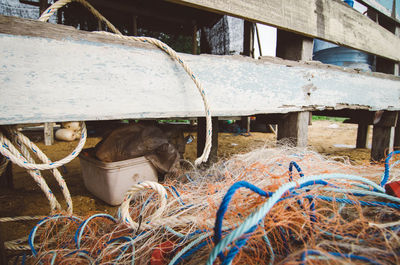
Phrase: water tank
x=333 y=54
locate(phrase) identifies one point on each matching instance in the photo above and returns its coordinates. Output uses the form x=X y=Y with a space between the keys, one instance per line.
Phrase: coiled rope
x=207 y=148
x=24 y=159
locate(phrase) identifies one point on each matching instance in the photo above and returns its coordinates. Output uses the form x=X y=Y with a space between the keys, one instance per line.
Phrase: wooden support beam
x=3 y=257
x=248 y=39
x=235 y=86
x=294 y=126
x=383 y=135
x=396 y=142
x=248 y=50
x=201 y=139
x=6 y=174
x=294 y=47
x=43 y=4
x=328 y=20
x=245 y=123
x=383 y=10
x=48 y=133
x=195 y=43
x=134 y=26
x=362 y=135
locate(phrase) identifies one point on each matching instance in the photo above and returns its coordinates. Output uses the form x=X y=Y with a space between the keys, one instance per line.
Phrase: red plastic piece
x=393 y=188
x=160 y=253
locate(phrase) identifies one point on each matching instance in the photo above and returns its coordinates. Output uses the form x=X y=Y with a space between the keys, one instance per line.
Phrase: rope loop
x=124 y=208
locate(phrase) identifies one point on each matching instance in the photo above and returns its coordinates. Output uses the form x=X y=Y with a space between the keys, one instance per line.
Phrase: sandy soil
x=326 y=137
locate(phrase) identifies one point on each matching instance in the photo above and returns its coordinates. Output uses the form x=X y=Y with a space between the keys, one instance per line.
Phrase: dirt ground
x=326 y=137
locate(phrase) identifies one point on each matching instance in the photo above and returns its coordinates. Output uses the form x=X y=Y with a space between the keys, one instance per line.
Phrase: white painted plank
x=47 y=80
x=329 y=20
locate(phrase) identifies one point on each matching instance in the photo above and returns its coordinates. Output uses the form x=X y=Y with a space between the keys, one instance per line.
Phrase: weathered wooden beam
x=328 y=20
x=362 y=135
x=195 y=43
x=6 y=178
x=383 y=135
x=75 y=75
x=396 y=142
x=294 y=47
x=3 y=257
x=48 y=133
x=245 y=123
x=43 y=4
x=294 y=127
x=248 y=38
x=387 y=11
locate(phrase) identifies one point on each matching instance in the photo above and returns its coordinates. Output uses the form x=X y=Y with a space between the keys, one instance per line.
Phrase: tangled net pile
x=252 y=209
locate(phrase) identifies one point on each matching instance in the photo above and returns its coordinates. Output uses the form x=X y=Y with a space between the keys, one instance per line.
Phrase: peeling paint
x=73 y=80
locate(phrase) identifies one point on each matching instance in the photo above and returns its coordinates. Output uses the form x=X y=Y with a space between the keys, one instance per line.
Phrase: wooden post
x=245 y=123
x=383 y=135
x=258 y=39
x=248 y=39
x=294 y=126
x=194 y=38
x=248 y=50
x=48 y=133
x=134 y=26
x=201 y=138
x=294 y=47
x=6 y=177
x=43 y=4
x=397 y=73
x=362 y=135
x=396 y=142
x=3 y=257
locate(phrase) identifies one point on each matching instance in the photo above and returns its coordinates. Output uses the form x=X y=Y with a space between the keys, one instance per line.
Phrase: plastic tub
x=110 y=181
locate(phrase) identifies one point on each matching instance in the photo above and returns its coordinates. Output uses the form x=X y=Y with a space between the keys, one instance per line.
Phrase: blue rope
x=292 y=163
x=32 y=233
x=336 y=254
x=225 y=203
x=352 y=202
x=23 y=259
x=235 y=249
x=125 y=248
x=81 y=228
x=386 y=173
x=221 y=213
x=258 y=215
x=191 y=252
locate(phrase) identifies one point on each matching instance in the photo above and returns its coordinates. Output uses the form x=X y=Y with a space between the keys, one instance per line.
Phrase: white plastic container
x=110 y=181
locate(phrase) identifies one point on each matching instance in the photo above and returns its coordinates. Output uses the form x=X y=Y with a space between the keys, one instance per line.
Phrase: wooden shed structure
x=54 y=73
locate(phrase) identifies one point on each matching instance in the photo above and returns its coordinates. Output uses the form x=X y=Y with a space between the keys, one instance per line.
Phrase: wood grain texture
x=330 y=20
x=73 y=75
x=388 y=10
x=383 y=135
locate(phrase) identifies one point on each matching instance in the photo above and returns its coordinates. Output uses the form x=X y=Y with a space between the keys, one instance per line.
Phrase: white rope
x=24 y=144
x=36 y=175
x=24 y=159
x=15 y=157
x=207 y=148
x=124 y=208
x=20 y=218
